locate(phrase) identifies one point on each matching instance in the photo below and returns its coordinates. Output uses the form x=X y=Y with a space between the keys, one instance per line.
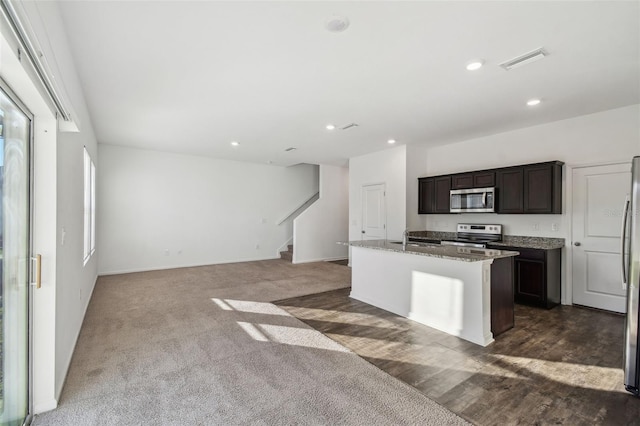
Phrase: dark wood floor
x=561 y=366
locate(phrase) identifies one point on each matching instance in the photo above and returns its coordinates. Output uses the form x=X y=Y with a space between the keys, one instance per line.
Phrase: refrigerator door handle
x=625 y=216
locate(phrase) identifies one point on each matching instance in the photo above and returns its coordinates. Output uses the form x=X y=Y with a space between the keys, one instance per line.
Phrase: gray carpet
x=203 y=346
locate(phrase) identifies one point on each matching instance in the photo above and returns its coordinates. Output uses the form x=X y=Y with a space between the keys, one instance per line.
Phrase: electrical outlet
x=257 y=246
x=166 y=252
x=179 y=251
x=536 y=226
x=555 y=227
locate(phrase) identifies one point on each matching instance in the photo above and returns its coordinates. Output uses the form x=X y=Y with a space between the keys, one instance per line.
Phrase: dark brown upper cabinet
x=484 y=179
x=462 y=181
x=433 y=194
x=509 y=188
x=543 y=188
x=443 y=194
x=530 y=188
x=426 y=195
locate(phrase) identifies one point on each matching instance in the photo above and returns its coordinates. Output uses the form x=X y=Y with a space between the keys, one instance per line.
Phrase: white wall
x=388 y=167
x=162 y=210
x=325 y=222
x=608 y=136
x=58 y=308
x=416 y=167
x=74 y=280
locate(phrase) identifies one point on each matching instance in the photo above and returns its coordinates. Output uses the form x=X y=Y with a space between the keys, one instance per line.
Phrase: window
x=89 y=207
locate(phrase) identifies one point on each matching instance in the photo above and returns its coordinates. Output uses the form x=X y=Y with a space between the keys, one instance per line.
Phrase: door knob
x=577 y=244
x=362 y=231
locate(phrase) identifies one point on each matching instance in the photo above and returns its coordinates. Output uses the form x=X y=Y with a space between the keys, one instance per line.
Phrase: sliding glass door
x=15 y=129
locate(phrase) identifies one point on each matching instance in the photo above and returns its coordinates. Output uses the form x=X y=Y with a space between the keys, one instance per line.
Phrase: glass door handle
x=38 y=273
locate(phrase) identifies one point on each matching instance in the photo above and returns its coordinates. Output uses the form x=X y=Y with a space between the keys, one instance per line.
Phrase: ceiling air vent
x=290 y=149
x=348 y=126
x=527 y=58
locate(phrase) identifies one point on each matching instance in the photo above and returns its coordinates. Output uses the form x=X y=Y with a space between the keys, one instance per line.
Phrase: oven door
x=476 y=200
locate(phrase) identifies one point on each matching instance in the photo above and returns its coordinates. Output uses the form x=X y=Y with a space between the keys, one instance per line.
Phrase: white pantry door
x=599 y=193
x=374 y=221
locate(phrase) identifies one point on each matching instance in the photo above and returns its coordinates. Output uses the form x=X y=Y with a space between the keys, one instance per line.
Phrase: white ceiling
x=191 y=77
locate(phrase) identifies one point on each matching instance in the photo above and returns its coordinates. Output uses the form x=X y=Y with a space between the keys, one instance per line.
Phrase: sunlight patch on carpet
x=250 y=307
x=253 y=331
x=293 y=336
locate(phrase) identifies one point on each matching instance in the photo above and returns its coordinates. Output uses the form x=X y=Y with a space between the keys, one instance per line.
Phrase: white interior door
x=599 y=193
x=374 y=221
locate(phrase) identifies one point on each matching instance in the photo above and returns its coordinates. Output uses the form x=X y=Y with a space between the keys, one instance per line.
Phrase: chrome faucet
x=405 y=238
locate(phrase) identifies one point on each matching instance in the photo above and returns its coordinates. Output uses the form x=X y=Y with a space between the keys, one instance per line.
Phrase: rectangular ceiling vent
x=349 y=126
x=527 y=58
x=290 y=149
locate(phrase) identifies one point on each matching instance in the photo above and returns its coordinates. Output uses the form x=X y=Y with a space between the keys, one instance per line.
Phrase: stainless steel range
x=475 y=235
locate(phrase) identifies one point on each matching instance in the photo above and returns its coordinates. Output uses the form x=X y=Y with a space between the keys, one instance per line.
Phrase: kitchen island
x=466 y=292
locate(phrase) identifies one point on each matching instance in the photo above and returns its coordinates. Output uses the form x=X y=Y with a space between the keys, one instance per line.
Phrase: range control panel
x=474 y=228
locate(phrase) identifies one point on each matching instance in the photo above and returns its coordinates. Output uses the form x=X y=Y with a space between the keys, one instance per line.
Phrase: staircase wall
x=160 y=210
x=325 y=222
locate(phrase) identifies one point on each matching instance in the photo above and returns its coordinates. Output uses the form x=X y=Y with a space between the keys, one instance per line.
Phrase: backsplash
x=545 y=243
x=526 y=224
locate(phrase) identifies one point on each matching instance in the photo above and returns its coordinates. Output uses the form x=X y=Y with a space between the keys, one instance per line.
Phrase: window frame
x=89 y=217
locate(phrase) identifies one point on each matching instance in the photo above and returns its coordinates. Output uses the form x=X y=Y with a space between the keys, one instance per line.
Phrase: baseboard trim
x=322 y=259
x=194 y=265
x=42 y=407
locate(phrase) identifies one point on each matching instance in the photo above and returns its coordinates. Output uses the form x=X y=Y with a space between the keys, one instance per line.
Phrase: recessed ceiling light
x=330 y=127
x=533 y=102
x=391 y=141
x=337 y=24
x=234 y=143
x=476 y=64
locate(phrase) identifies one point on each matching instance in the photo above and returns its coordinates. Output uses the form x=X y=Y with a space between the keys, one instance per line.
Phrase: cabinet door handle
x=577 y=244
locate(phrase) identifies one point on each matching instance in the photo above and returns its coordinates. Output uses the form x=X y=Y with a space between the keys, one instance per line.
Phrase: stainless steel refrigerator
x=630 y=255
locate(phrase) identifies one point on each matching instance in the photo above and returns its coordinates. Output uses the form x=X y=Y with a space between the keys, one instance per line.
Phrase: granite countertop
x=516 y=241
x=541 y=243
x=466 y=254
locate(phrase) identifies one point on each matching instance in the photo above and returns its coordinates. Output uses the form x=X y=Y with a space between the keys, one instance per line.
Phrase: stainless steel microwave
x=474 y=200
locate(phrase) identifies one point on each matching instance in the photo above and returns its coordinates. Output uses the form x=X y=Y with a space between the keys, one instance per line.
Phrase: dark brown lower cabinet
x=536 y=276
x=502 y=316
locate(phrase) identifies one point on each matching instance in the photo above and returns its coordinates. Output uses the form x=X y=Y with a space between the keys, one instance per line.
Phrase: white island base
x=449 y=295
